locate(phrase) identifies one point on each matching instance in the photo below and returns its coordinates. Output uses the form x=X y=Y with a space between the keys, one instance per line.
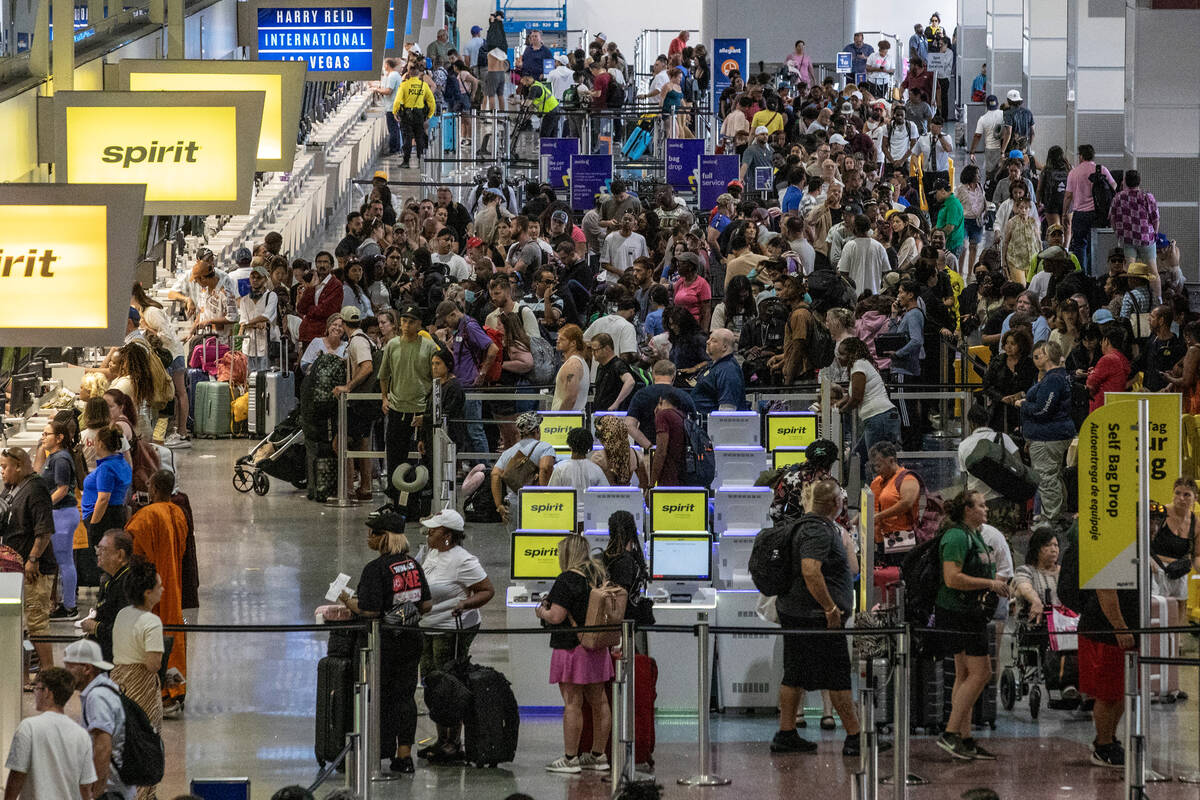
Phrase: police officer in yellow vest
x=538 y=96
x=414 y=105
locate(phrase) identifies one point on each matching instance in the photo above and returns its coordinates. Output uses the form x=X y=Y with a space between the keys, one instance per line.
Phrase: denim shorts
x=974 y=230
x=178 y=365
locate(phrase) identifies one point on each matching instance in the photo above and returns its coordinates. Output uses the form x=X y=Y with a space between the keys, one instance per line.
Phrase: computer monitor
x=599 y=503
x=557 y=424
x=786 y=456
x=679 y=508
x=548 y=508
x=22 y=391
x=535 y=555
x=682 y=561
x=791 y=429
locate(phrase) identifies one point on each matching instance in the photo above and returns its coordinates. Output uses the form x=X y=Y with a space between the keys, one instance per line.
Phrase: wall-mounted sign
x=194 y=151
x=340 y=41
x=281 y=83
x=67 y=258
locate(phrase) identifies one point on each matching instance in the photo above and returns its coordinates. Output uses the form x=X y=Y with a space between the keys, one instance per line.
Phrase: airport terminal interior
x=1102 y=78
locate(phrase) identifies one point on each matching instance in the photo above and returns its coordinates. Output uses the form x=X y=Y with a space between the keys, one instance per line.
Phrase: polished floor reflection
x=250 y=696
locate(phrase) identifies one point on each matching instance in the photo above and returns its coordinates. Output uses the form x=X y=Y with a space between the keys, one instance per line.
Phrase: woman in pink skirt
x=580 y=673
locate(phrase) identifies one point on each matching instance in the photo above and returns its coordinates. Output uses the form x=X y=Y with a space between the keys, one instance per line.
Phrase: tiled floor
x=250 y=697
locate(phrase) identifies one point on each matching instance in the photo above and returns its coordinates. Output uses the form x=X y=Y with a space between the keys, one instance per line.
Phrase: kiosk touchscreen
x=557 y=424
x=599 y=503
x=681 y=561
x=787 y=456
x=679 y=508
x=535 y=559
x=791 y=429
x=548 y=508
x=734 y=428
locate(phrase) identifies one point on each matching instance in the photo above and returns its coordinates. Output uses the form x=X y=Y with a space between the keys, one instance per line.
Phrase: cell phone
x=309 y=275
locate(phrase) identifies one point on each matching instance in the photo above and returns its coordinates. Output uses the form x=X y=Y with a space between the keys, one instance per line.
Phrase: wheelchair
x=1039 y=673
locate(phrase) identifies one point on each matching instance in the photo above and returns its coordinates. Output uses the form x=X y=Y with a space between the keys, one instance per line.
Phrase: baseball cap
x=847 y=108
x=446 y=518
x=1013 y=96
x=474 y=241
x=411 y=312
x=1102 y=316
x=380 y=175
x=761 y=130
x=992 y=101
x=85 y=651
x=444 y=309
x=529 y=422
x=242 y=254
x=735 y=182
x=690 y=258
x=476 y=29
x=602 y=37
x=1053 y=252
x=857 y=94
x=351 y=314
x=837 y=138
x=1015 y=154
x=259 y=269
x=560 y=216
x=134 y=315
x=1162 y=241
x=416 y=48
x=390 y=521
x=561 y=58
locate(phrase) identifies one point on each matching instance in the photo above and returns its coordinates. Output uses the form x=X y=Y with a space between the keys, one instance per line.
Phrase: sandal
x=828 y=723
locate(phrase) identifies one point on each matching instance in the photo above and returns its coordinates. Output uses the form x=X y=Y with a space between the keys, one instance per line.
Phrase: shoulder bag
x=522 y=471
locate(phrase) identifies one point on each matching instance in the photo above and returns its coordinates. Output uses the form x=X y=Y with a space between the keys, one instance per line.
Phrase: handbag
x=1062 y=623
x=899 y=541
x=1001 y=471
x=402 y=614
x=890 y=342
x=521 y=472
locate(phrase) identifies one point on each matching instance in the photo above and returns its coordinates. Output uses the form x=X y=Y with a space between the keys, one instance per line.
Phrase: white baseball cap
x=837 y=138
x=1014 y=95
x=560 y=58
x=761 y=129
x=446 y=518
x=85 y=651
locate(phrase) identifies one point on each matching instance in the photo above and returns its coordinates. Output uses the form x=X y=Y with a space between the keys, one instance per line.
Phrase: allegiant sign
x=83 y=268
x=337 y=41
x=194 y=151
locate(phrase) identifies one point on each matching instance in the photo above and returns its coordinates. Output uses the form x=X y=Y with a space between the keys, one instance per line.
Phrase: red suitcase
x=645 y=676
x=885 y=579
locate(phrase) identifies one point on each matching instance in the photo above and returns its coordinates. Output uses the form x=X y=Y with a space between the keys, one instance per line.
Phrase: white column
x=63 y=46
x=1096 y=78
x=1045 y=64
x=972 y=54
x=1005 y=25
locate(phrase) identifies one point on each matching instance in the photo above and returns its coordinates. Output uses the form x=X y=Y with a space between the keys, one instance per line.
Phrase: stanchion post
x=704 y=777
x=1192 y=777
x=1135 y=735
x=868 y=782
x=901 y=778
x=374 y=682
x=342 y=499
x=1144 y=580
x=367 y=736
x=622 y=767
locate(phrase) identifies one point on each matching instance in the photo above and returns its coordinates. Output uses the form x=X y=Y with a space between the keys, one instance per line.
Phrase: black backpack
x=770 y=562
x=921 y=572
x=142 y=756
x=820 y=344
x=1102 y=197
x=1068 y=591
x=699 y=462
x=480 y=507
x=615 y=97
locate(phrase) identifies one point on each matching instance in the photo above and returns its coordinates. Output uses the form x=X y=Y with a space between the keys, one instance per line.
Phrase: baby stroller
x=280 y=455
x=1039 y=670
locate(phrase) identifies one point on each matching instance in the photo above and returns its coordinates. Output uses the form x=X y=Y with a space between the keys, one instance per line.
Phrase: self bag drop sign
x=84 y=267
x=338 y=41
x=194 y=151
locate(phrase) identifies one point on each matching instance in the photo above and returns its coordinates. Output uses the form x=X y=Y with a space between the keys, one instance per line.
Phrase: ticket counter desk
x=680 y=568
x=534 y=568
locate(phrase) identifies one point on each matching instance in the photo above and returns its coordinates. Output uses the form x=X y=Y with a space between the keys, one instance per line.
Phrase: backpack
x=930 y=508
x=921 y=572
x=142 y=756
x=327 y=372
x=699 y=462
x=606 y=606
x=829 y=289
x=1021 y=121
x=570 y=98
x=1001 y=471
x=1068 y=590
x=546 y=361
x=614 y=97
x=1102 y=197
x=770 y=562
x=233 y=368
x=820 y=344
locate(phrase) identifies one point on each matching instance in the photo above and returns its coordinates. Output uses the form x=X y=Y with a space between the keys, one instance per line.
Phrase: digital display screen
x=557 y=424
x=535 y=556
x=791 y=429
x=548 y=509
x=330 y=39
x=680 y=557
x=786 y=456
x=678 y=509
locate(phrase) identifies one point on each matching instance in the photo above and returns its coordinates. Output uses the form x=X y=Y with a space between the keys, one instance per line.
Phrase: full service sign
x=729 y=55
x=715 y=174
x=683 y=159
x=337 y=41
x=590 y=175
x=85 y=266
x=194 y=151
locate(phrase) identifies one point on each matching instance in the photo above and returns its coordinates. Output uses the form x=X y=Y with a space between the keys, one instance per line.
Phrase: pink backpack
x=207 y=355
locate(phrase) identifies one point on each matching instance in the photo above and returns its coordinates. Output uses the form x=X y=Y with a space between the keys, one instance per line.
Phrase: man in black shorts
x=821 y=596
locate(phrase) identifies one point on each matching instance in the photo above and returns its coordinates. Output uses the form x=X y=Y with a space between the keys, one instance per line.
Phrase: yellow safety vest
x=547 y=102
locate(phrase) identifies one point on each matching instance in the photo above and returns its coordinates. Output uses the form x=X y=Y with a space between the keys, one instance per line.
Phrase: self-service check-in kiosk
x=791 y=429
x=739 y=513
x=556 y=425
x=534 y=559
x=601 y=502
x=548 y=508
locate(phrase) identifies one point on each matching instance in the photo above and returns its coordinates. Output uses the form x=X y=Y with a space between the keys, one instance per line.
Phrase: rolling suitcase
x=645 y=691
x=213 y=414
x=639 y=139
x=272 y=397
x=335 y=707
x=492 y=725
x=984 y=712
x=321 y=464
x=1161 y=676
x=927 y=698
x=885 y=693
x=195 y=377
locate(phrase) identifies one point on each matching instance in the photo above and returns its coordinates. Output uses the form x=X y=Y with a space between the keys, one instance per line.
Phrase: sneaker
x=790 y=742
x=464 y=142
x=566 y=764
x=428 y=750
x=177 y=442
x=404 y=165
x=953 y=744
x=828 y=723
x=65 y=614
x=1070 y=693
x=980 y=753
x=402 y=765
x=852 y=747
x=592 y=762
x=1110 y=755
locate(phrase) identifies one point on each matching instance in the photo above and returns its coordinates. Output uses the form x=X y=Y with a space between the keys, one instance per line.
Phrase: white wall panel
x=1047 y=58
x=1100 y=90
x=1167 y=131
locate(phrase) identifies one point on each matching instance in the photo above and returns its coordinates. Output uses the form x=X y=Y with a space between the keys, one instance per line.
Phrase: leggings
x=66 y=519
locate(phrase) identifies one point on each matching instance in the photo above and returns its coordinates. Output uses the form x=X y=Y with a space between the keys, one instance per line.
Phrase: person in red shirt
x=669 y=443
x=1111 y=373
x=600 y=81
x=678 y=43
x=918 y=77
x=320 y=298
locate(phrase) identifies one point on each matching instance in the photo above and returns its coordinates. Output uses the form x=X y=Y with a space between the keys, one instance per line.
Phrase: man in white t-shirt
x=989 y=128
x=621 y=248
x=51 y=755
x=619 y=326
x=864 y=259
x=456 y=266
x=579 y=471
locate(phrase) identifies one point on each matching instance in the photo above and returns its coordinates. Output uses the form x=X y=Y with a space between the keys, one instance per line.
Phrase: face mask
x=468 y=295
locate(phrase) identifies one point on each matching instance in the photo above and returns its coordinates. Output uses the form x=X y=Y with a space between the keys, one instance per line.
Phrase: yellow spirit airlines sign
x=282 y=85
x=193 y=151
x=67 y=257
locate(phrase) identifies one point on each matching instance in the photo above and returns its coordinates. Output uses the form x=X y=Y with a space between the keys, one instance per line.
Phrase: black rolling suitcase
x=984 y=712
x=493 y=722
x=928 y=705
x=335 y=707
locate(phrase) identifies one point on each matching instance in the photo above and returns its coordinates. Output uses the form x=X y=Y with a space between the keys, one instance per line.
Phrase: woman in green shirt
x=965 y=603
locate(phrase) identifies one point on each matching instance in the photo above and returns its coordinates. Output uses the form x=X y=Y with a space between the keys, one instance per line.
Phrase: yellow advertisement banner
x=270 y=140
x=1166 y=439
x=797 y=429
x=679 y=510
x=535 y=556
x=548 y=509
x=47 y=267
x=1108 y=496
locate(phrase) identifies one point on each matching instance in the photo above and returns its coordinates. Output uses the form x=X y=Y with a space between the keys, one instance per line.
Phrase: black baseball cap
x=386 y=521
x=409 y=311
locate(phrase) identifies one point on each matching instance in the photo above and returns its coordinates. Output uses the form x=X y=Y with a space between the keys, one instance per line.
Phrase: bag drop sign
x=1166 y=440
x=1108 y=492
